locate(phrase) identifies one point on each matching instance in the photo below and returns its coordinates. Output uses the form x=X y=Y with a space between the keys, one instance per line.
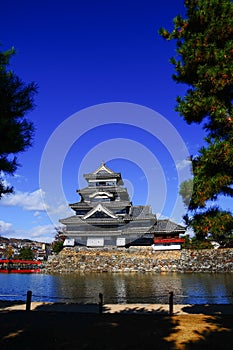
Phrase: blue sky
x=105 y=54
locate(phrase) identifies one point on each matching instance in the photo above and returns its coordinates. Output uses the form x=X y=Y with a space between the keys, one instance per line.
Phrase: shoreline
x=134 y=308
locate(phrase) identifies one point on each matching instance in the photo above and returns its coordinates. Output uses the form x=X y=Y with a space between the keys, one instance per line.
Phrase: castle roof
x=168 y=226
x=114 y=204
x=115 y=189
x=106 y=216
x=103 y=172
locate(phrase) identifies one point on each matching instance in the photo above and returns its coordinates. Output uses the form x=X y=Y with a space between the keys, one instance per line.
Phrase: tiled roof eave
x=102 y=175
x=119 y=233
x=113 y=204
x=169 y=231
x=103 y=221
x=100 y=188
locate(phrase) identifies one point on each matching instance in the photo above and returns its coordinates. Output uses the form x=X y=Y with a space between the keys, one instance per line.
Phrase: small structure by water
x=19 y=266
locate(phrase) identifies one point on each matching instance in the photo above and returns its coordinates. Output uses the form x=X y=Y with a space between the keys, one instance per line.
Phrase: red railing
x=18 y=261
x=169 y=240
x=19 y=266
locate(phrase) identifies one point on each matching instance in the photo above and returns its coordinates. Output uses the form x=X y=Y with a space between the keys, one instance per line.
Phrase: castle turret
x=105 y=216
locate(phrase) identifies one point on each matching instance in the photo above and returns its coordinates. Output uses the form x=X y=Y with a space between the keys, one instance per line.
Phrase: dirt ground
x=53 y=330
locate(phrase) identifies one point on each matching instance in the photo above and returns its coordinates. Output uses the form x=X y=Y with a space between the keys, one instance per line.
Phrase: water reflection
x=208 y=288
x=199 y=288
x=121 y=289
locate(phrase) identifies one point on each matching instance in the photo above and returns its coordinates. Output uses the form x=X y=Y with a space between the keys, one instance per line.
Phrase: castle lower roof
x=112 y=189
x=90 y=205
x=168 y=226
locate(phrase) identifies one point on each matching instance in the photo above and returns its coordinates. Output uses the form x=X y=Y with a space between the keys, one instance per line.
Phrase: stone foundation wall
x=140 y=260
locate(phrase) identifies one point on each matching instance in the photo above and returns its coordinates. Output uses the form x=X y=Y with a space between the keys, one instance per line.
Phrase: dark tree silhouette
x=16 y=132
x=204 y=61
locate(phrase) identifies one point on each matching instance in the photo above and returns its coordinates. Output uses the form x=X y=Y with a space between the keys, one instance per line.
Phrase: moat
x=188 y=288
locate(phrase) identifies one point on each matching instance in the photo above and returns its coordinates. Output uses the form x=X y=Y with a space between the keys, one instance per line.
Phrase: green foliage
x=196 y=243
x=187 y=242
x=26 y=253
x=201 y=244
x=59 y=239
x=186 y=189
x=204 y=61
x=9 y=252
x=16 y=132
x=217 y=222
x=57 y=246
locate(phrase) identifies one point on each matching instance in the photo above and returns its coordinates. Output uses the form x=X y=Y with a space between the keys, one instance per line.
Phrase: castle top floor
x=103 y=176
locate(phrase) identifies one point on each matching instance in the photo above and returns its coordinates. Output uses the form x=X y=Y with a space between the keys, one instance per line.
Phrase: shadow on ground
x=217 y=330
x=128 y=309
x=136 y=329
x=69 y=307
x=7 y=303
x=64 y=330
x=209 y=309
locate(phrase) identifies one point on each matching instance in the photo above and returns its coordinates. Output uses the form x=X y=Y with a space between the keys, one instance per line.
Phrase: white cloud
x=43 y=233
x=6 y=228
x=62 y=209
x=184 y=164
x=34 y=202
x=59 y=212
x=15 y=178
x=19 y=178
x=26 y=200
x=37 y=214
x=4 y=180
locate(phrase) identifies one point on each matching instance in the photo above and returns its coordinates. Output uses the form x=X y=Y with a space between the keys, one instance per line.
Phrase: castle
x=105 y=216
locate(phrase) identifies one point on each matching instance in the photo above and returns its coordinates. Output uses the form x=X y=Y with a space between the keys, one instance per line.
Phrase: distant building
x=105 y=216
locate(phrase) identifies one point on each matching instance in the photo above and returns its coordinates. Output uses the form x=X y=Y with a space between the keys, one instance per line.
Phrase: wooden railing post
x=28 y=300
x=100 y=303
x=171 y=303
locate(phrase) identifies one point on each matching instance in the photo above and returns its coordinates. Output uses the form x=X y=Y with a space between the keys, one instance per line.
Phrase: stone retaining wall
x=140 y=260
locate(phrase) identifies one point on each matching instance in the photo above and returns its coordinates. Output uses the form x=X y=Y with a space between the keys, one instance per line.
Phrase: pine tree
x=26 y=253
x=16 y=132
x=204 y=61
